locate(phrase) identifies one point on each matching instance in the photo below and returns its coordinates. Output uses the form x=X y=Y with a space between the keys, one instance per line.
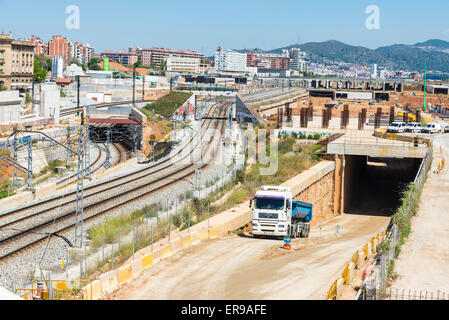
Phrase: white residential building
x=182 y=64
x=229 y=60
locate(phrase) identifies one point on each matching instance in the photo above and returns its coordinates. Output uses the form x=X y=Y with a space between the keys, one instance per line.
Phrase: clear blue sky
x=201 y=25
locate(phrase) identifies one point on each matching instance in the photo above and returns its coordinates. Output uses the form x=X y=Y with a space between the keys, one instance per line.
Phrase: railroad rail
x=36 y=231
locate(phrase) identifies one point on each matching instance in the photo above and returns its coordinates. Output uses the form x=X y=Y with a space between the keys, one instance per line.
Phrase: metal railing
x=375 y=286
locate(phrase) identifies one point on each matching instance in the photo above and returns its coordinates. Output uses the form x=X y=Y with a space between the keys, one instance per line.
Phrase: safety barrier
x=175 y=245
x=186 y=241
x=147 y=261
x=357 y=262
x=136 y=268
x=109 y=282
x=125 y=274
x=166 y=252
x=96 y=290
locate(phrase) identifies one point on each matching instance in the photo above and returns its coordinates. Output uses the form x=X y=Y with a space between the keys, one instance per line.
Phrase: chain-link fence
x=375 y=286
x=397 y=294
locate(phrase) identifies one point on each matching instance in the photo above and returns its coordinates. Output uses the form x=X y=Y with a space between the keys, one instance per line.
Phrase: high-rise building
x=40 y=46
x=16 y=62
x=297 y=59
x=373 y=71
x=58 y=46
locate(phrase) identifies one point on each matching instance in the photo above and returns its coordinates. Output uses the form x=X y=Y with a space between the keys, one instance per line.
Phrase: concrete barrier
x=195 y=238
x=339 y=287
x=351 y=270
x=157 y=256
x=125 y=274
x=136 y=268
x=204 y=235
x=109 y=282
x=186 y=241
x=147 y=261
x=369 y=250
x=87 y=292
x=213 y=233
x=166 y=252
x=175 y=245
x=96 y=290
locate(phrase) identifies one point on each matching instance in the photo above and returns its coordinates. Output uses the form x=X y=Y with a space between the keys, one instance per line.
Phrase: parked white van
x=432 y=128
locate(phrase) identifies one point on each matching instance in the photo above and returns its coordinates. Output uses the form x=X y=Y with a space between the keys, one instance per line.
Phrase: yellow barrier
x=186 y=241
x=166 y=252
x=345 y=275
x=355 y=257
x=365 y=250
x=96 y=290
x=147 y=261
x=332 y=292
x=125 y=274
x=213 y=233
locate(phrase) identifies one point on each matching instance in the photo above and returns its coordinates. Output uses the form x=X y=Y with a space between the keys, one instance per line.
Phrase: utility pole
x=174 y=131
x=152 y=132
x=87 y=143
x=67 y=164
x=425 y=85
x=134 y=85
x=143 y=88
x=14 y=170
x=78 y=95
x=30 y=165
x=79 y=224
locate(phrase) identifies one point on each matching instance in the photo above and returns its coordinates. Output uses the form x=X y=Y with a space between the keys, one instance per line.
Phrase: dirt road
x=240 y=267
x=424 y=261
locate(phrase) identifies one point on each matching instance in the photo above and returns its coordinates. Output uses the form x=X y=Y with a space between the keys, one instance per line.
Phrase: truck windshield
x=269 y=204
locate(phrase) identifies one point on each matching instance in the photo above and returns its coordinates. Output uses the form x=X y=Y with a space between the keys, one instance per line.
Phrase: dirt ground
x=239 y=267
x=424 y=260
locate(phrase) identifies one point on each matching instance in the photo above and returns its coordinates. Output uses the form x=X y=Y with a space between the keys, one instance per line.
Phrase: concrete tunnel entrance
x=374 y=186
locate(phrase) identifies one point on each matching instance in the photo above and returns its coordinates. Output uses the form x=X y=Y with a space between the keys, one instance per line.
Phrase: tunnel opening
x=374 y=186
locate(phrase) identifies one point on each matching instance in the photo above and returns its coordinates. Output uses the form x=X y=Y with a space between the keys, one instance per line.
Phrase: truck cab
x=276 y=214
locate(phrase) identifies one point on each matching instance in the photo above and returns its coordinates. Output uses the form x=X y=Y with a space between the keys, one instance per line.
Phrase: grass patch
x=165 y=106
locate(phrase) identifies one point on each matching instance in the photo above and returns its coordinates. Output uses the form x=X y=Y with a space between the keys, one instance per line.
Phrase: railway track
x=72 y=110
x=54 y=222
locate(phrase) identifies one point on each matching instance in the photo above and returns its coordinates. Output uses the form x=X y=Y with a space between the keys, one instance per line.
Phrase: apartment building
x=268 y=61
x=182 y=64
x=230 y=60
x=59 y=46
x=298 y=59
x=40 y=46
x=16 y=62
x=122 y=57
x=155 y=56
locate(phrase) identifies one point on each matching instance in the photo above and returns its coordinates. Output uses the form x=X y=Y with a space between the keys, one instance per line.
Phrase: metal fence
x=375 y=286
x=397 y=294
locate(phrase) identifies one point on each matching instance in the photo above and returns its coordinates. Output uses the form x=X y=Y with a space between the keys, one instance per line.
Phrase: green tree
x=40 y=71
x=93 y=64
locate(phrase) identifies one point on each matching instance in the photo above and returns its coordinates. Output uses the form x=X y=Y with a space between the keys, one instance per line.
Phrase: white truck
x=275 y=214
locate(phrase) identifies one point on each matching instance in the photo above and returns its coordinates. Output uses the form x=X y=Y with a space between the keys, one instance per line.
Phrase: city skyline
x=204 y=25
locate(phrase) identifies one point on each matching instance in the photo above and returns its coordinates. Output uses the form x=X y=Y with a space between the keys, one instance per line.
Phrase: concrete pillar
x=338 y=179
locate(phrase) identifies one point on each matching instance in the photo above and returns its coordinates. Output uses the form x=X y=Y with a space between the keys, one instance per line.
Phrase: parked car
x=414 y=127
x=396 y=127
x=432 y=128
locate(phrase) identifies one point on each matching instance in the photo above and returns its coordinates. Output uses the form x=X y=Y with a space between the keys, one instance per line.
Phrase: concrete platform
x=363 y=143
